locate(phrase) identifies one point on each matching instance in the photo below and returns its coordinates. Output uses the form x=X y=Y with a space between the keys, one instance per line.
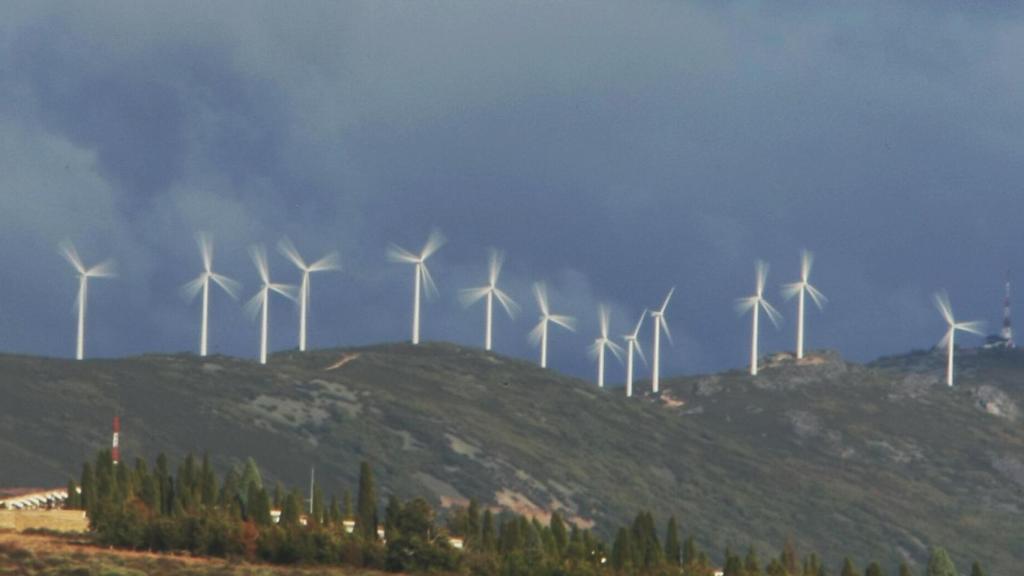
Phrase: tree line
x=195 y=510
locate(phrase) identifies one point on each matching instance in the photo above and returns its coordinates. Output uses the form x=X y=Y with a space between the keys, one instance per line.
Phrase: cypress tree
x=125 y=483
x=334 y=512
x=473 y=525
x=185 y=482
x=905 y=569
x=488 y=542
x=209 y=482
x=392 y=517
x=278 y=495
x=559 y=535
x=622 y=550
x=318 y=505
x=163 y=483
x=788 y=558
x=751 y=565
x=733 y=564
x=259 y=507
x=976 y=570
x=874 y=569
x=74 y=500
x=366 y=522
x=940 y=564
x=88 y=482
x=292 y=509
x=775 y=568
x=848 y=569
x=673 y=550
x=347 y=506
x=689 y=552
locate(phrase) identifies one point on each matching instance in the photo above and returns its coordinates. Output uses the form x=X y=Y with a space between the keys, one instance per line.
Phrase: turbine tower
x=539 y=334
x=470 y=296
x=756 y=303
x=202 y=284
x=802 y=289
x=942 y=303
x=633 y=344
x=1007 y=332
x=659 y=325
x=597 y=349
x=102 y=270
x=325 y=264
x=260 y=303
x=423 y=281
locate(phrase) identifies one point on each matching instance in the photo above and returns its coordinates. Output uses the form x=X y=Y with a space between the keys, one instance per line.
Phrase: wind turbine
x=632 y=343
x=470 y=296
x=942 y=303
x=597 y=349
x=540 y=332
x=260 y=303
x=756 y=303
x=202 y=284
x=325 y=264
x=801 y=289
x=659 y=325
x=102 y=270
x=422 y=274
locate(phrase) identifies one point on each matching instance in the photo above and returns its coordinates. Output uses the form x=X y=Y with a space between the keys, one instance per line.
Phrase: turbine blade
x=944 y=343
x=252 y=307
x=791 y=290
x=640 y=352
x=190 y=290
x=806 y=261
x=434 y=243
x=287 y=290
x=537 y=332
x=205 y=244
x=494 y=267
x=744 y=305
x=227 y=284
x=771 y=312
x=259 y=258
x=639 y=323
x=470 y=296
x=594 y=350
x=104 y=269
x=972 y=327
x=510 y=306
x=68 y=251
x=429 y=287
x=819 y=299
x=761 y=269
x=664 y=328
x=602 y=315
x=398 y=254
x=942 y=303
x=615 y=349
x=540 y=292
x=664 y=305
x=331 y=261
x=285 y=247
x=567 y=322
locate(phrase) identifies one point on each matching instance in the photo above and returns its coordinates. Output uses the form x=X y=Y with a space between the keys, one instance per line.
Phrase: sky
x=611 y=149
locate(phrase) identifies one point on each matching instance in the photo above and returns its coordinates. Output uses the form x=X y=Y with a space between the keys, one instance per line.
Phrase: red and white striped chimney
x=115 y=449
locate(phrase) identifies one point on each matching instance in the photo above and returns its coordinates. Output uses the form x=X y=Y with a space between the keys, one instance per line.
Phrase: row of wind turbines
x=424 y=286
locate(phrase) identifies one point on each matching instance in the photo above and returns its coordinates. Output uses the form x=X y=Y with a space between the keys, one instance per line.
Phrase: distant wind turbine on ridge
x=202 y=284
x=470 y=296
x=802 y=289
x=633 y=344
x=660 y=325
x=423 y=281
x=102 y=270
x=260 y=303
x=756 y=303
x=942 y=303
x=604 y=343
x=327 y=263
x=539 y=335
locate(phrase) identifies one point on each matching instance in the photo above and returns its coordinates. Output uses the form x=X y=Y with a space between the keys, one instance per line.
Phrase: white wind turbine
x=423 y=280
x=260 y=303
x=325 y=264
x=603 y=343
x=202 y=284
x=756 y=303
x=470 y=296
x=633 y=344
x=801 y=289
x=539 y=335
x=659 y=325
x=102 y=270
x=942 y=303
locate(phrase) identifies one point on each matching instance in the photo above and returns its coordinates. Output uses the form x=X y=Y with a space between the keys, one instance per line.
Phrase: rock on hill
x=877 y=461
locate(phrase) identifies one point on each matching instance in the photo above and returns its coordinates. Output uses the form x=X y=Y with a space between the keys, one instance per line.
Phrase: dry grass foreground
x=34 y=553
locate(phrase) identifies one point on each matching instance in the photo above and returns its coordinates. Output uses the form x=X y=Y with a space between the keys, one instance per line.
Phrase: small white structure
x=350 y=525
x=34 y=500
x=456 y=542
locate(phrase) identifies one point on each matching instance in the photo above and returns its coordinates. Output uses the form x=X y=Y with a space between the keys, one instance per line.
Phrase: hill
x=878 y=461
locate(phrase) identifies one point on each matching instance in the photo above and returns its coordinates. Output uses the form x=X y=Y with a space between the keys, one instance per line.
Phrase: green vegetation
x=834 y=457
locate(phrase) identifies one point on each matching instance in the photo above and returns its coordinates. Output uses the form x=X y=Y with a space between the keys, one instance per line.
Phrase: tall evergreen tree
x=488 y=539
x=905 y=569
x=559 y=534
x=163 y=476
x=74 y=501
x=733 y=565
x=392 y=517
x=940 y=564
x=848 y=568
x=334 y=512
x=208 y=478
x=788 y=558
x=976 y=570
x=318 y=505
x=622 y=551
x=874 y=569
x=673 y=550
x=751 y=564
x=292 y=509
x=473 y=525
x=366 y=521
x=259 y=506
x=689 y=552
x=346 y=508
x=88 y=483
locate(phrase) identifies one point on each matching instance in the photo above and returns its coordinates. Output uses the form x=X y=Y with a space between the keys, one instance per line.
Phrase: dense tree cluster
x=196 y=511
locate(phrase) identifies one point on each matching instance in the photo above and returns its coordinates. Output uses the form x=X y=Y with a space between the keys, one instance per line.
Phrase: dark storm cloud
x=612 y=150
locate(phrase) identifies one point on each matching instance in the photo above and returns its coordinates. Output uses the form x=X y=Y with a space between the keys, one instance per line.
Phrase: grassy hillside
x=877 y=461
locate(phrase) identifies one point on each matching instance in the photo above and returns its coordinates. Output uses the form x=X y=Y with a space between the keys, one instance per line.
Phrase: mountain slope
x=878 y=461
